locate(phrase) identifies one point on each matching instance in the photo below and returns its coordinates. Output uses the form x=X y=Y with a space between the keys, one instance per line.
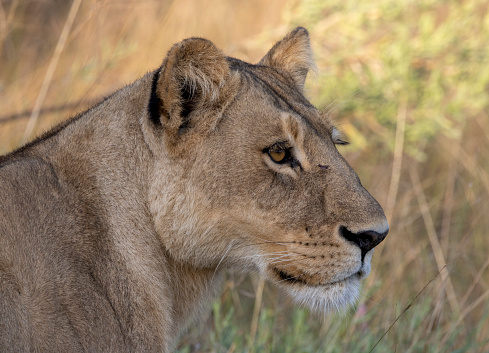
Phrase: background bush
x=407 y=82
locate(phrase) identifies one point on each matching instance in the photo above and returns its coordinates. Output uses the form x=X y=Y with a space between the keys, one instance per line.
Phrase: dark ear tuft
x=292 y=54
x=154 y=105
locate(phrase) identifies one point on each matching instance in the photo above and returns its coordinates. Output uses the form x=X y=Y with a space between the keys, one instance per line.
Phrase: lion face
x=261 y=183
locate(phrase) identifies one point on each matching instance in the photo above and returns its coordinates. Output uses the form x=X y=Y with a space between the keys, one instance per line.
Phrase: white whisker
x=271 y=242
x=265 y=255
x=222 y=258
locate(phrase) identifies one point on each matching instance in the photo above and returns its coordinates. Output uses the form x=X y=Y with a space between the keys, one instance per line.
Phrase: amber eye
x=280 y=153
x=278 y=156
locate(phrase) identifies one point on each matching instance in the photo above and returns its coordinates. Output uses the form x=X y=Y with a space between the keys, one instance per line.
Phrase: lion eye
x=278 y=156
x=281 y=153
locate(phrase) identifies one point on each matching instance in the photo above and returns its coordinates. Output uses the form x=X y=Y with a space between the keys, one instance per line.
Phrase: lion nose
x=366 y=240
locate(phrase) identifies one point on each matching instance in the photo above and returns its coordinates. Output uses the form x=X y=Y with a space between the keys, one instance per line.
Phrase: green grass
x=283 y=328
x=408 y=84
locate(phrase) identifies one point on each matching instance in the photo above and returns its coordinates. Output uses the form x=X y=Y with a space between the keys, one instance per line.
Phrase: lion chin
x=327 y=297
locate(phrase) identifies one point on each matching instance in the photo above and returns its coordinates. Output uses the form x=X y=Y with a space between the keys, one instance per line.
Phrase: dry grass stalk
x=50 y=71
x=476 y=281
x=397 y=159
x=435 y=244
x=256 y=312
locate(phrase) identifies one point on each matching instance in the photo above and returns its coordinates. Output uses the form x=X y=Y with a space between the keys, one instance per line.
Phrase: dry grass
x=405 y=79
x=49 y=62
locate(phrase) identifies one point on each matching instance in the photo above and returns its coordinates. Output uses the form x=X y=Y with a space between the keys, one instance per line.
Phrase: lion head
x=249 y=176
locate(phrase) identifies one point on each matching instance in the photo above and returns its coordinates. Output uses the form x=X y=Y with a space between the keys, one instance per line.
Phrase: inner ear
x=189 y=99
x=188 y=103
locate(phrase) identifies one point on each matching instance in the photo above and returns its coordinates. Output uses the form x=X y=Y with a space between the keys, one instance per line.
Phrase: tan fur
x=292 y=55
x=116 y=226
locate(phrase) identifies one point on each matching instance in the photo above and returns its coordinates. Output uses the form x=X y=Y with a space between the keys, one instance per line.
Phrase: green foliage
x=430 y=56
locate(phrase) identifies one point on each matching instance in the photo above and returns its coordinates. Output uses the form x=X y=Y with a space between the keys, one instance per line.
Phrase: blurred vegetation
x=407 y=82
x=427 y=57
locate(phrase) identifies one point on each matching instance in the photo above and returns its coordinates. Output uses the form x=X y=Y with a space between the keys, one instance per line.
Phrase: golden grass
x=109 y=44
x=434 y=188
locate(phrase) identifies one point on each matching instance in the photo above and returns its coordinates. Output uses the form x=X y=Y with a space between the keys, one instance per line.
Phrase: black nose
x=366 y=241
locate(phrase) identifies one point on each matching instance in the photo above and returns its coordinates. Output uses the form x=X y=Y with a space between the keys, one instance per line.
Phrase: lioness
x=116 y=226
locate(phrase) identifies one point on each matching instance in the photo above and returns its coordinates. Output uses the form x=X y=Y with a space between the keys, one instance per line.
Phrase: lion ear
x=193 y=87
x=292 y=54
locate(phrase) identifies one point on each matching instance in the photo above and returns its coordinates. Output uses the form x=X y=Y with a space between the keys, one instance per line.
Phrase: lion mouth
x=286 y=277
